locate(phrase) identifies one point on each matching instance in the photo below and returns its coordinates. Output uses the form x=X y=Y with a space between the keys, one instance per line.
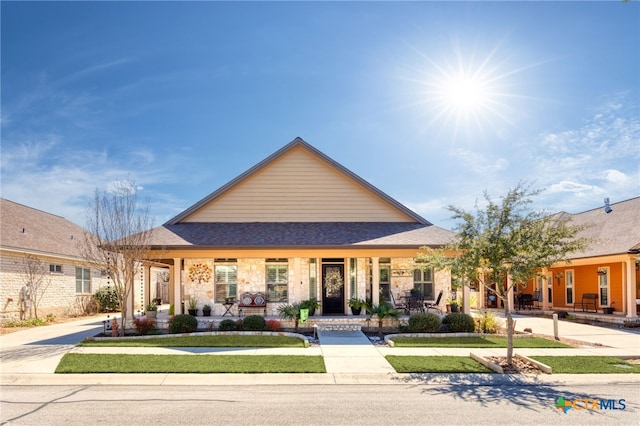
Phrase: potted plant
x=311 y=304
x=609 y=310
x=192 y=306
x=206 y=310
x=452 y=305
x=151 y=311
x=356 y=305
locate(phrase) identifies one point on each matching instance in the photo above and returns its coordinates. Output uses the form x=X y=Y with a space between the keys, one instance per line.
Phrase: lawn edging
x=542 y=367
x=389 y=337
x=208 y=333
x=489 y=364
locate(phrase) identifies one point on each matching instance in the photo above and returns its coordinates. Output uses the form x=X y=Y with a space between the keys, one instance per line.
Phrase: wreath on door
x=333 y=283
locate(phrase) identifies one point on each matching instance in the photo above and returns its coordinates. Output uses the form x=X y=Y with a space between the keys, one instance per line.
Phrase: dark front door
x=332 y=289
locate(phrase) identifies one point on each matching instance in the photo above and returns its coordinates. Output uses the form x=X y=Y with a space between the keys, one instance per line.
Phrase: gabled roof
x=27 y=229
x=612 y=233
x=364 y=187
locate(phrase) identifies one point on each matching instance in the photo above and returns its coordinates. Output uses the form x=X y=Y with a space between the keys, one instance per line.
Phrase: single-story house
x=40 y=262
x=609 y=267
x=297 y=226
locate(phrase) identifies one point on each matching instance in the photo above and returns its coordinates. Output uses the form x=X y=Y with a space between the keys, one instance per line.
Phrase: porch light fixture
x=559 y=277
x=602 y=271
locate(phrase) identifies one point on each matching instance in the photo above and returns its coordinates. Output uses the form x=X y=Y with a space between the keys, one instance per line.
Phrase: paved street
x=413 y=404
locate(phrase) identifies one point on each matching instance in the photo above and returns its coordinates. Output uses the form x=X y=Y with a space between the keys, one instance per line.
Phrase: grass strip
x=127 y=363
x=588 y=365
x=436 y=364
x=221 y=341
x=475 y=342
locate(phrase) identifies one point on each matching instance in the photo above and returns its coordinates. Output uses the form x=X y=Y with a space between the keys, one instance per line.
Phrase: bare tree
x=117 y=239
x=35 y=275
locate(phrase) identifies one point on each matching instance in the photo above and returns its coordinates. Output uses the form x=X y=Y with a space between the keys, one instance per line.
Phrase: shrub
x=489 y=323
x=227 y=325
x=107 y=299
x=424 y=323
x=254 y=323
x=458 y=322
x=183 y=324
x=273 y=325
x=144 y=325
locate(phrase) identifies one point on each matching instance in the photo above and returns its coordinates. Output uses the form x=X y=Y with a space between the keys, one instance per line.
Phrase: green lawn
x=225 y=341
x=436 y=364
x=588 y=365
x=475 y=342
x=125 y=363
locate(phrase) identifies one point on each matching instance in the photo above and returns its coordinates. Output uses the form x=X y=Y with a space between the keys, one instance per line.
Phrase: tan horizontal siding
x=299 y=187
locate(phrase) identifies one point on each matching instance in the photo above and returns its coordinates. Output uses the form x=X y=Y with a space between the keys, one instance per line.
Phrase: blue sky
x=432 y=102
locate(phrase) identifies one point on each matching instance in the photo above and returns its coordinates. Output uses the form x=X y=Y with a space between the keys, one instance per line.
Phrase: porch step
x=324 y=326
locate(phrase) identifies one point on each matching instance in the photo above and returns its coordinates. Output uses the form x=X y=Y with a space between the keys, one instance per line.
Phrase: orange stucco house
x=295 y=226
x=609 y=267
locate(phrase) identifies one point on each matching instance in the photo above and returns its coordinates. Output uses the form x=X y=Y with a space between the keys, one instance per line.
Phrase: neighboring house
x=295 y=226
x=49 y=244
x=609 y=267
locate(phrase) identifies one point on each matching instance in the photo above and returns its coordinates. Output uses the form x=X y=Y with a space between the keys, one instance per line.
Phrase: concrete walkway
x=31 y=356
x=351 y=352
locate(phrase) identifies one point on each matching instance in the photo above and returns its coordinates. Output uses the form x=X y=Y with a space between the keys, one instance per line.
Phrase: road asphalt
x=30 y=357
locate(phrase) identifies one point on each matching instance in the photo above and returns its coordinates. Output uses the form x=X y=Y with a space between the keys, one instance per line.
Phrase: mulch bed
x=518 y=366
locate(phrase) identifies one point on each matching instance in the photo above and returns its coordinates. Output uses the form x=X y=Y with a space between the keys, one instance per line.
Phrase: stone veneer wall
x=251 y=278
x=59 y=298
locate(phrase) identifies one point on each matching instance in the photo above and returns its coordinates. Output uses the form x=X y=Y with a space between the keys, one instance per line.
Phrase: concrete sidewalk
x=31 y=356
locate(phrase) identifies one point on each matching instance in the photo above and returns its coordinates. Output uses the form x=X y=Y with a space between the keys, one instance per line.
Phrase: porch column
x=544 y=291
x=147 y=287
x=177 y=286
x=375 y=272
x=466 y=299
x=130 y=295
x=629 y=281
x=481 y=294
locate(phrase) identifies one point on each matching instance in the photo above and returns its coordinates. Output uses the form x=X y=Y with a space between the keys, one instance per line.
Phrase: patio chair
x=402 y=306
x=434 y=305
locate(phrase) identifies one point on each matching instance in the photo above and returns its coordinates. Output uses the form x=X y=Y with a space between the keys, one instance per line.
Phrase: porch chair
x=402 y=306
x=434 y=305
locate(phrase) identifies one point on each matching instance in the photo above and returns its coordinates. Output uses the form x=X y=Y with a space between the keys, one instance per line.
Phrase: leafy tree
x=117 y=239
x=505 y=243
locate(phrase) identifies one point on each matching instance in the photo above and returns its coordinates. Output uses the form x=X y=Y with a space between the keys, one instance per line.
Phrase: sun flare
x=464 y=92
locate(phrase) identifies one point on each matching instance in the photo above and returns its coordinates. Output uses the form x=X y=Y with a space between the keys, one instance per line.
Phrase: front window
x=423 y=282
x=83 y=280
x=603 y=284
x=313 y=278
x=277 y=280
x=226 y=282
x=568 y=283
x=55 y=269
x=385 y=283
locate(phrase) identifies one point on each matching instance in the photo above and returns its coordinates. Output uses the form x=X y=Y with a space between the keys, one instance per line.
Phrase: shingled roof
x=299 y=234
x=612 y=233
x=27 y=229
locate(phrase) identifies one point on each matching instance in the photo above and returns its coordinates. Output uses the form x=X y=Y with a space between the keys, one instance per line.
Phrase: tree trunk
x=510 y=326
